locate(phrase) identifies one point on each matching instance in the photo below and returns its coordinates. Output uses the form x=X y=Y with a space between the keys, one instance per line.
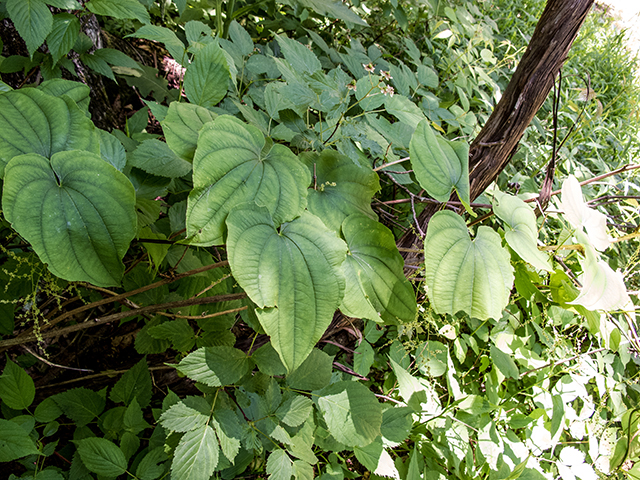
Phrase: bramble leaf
x=102 y=456
x=17 y=389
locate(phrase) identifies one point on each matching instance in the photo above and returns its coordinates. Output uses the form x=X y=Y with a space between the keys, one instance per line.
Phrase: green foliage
x=294 y=153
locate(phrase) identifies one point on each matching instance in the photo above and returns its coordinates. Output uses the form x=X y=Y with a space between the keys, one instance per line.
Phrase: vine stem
x=120 y=315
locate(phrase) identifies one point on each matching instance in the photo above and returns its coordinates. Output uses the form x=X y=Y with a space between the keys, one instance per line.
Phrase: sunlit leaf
x=207 y=78
x=196 y=456
x=231 y=167
x=522 y=232
x=464 y=275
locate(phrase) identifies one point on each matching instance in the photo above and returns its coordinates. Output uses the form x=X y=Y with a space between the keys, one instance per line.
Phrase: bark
x=498 y=141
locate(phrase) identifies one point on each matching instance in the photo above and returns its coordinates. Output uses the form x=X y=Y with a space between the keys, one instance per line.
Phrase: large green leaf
x=196 y=456
x=291 y=273
x=207 y=78
x=15 y=442
x=76 y=210
x=122 y=9
x=333 y=9
x=63 y=35
x=17 y=389
x=473 y=276
x=32 y=19
x=231 y=166
x=440 y=165
x=181 y=127
x=340 y=188
x=522 y=231
x=215 y=366
x=102 y=456
x=78 y=92
x=34 y=122
x=80 y=404
x=376 y=287
x=352 y=413
x=182 y=418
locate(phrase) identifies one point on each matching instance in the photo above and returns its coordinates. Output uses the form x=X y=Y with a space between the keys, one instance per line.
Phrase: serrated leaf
x=97 y=64
x=150 y=466
x=522 y=232
x=207 y=78
x=155 y=157
x=80 y=404
x=241 y=38
x=35 y=122
x=32 y=19
x=268 y=361
x=438 y=165
x=102 y=456
x=76 y=210
x=302 y=470
x=116 y=58
x=122 y=9
x=230 y=168
x=363 y=358
x=376 y=287
x=17 y=389
x=291 y=274
x=63 y=35
x=299 y=57
x=181 y=127
x=135 y=383
x=133 y=421
x=333 y=9
x=369 y=456
x=279 y=465
x=228 y=430
x=172 y=43
x=341 y=188
x=396 y=423
x=215 y=366
x=473 y=276
x=295 y=411
x=505 y=363
x=196 y=456
x=351 y=412
x=178 y=331
x=47 y=411
x=181 y=418
x=15 y=442
x=112 y=151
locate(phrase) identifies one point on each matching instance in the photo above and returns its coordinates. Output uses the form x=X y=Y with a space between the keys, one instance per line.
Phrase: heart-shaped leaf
x=340 y=188
x=376 y=287
x=291 y=273
x=473 y=276
x=522 y=231
x=231 y=167
x=76 y=210
x=440 y=165
x=34 y=122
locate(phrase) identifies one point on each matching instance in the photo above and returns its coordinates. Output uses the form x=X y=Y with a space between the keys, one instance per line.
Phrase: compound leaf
x=473 y=276
x=76 y=210
x=196 y=456
x=291 y=273
x=352 y=413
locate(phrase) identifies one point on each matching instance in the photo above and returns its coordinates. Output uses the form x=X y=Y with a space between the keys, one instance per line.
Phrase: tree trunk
x=497 y=142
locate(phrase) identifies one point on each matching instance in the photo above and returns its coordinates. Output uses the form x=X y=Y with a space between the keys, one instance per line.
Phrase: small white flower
x=369 y=68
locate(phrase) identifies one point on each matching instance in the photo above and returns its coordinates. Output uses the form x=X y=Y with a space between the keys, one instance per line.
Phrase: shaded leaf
x=15 y=442
x=102 y=456
x=172 y=43
x=155 y=157
x=63 y=35
x=352 y=413
x=207 y=78
x=135 y=383
x=32 y=19
x=122 y=9
x=76 y=210
x=215 y=366
x=17 y=389
x=80 y=404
